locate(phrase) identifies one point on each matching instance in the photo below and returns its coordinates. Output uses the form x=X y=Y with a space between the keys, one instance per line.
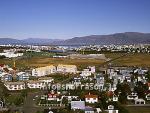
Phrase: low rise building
x=66 y=68
x=111 y=109
x=139 y=101
x=90 y=98
x=1 y=104
x=78 y=105
x=85 y=73
x=46 y=80
x=15 y=85
x=6 y=77
x=35 y=84
x=22 y=76
x=132 y=96
x=43 y=71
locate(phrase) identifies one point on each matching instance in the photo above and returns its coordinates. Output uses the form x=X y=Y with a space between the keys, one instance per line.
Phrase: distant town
x=74 y=79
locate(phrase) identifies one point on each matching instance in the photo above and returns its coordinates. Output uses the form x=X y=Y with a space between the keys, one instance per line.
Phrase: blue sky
x=65 y=19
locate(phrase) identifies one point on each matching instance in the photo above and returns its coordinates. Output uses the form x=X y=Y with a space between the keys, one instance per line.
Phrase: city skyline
x=69 y=18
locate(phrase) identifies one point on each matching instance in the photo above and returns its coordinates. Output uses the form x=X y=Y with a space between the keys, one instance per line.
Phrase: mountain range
x=117 y=38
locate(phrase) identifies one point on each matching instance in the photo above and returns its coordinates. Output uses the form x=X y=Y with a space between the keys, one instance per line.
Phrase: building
x=139 y=101
x=15 y=85
x=11 y=54
x=43 y=71
x=1 y=104
x=35 y=84
x=132 y=96
x=92 y=69
x=111 y=109
x=115 y=98
x=5 y=77
x=90 y=98
x=147 y=96
x=100 y=78
x=66 y=68
x=78 y=105
x=77 y=81
x=52 y=96
x=89 y=110
x=46 y=80
x=85 y=73
x=22 y=76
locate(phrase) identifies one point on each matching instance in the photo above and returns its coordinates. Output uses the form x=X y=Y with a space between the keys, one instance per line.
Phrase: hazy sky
x=70 y=18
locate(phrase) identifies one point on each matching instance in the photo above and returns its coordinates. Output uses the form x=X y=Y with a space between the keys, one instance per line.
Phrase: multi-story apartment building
x=42 y=71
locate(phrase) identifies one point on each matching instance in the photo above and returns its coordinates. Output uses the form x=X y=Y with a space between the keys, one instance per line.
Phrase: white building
x=139 y=101
x=66 y=68
x=147 y=96
x=111 y=109
x=11 y=54
x=1 y=104
x=46 y=80
x=15 y=85
x=92 y=69
x=35 y=84
x=90 y=98
x=133 y=96
x=43 y=71
x=85 y=73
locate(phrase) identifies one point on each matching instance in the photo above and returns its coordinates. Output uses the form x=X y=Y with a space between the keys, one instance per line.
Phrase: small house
x=90 y=98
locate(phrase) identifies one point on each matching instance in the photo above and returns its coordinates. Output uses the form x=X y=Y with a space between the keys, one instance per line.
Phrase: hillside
x=117 y=38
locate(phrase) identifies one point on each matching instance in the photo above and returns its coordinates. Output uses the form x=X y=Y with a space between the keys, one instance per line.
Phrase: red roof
x=91 y=96
x=1 y=65
x=110 y=93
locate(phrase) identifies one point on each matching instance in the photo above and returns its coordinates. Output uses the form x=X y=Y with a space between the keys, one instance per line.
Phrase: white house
x=11 y=54
x=46 y=80
x=139 y=101
x=115 y=98
x=35 y=84
x=92 y=69
x=15 y=85
x=133 y=96
x=86 y=73
x=90 y=98
x=147 y=96
x=66 y=68
x=43 y=71
x=111 y=109
x=1 y=104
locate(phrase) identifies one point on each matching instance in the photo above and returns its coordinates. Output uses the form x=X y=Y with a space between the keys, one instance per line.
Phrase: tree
x=141 y=88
